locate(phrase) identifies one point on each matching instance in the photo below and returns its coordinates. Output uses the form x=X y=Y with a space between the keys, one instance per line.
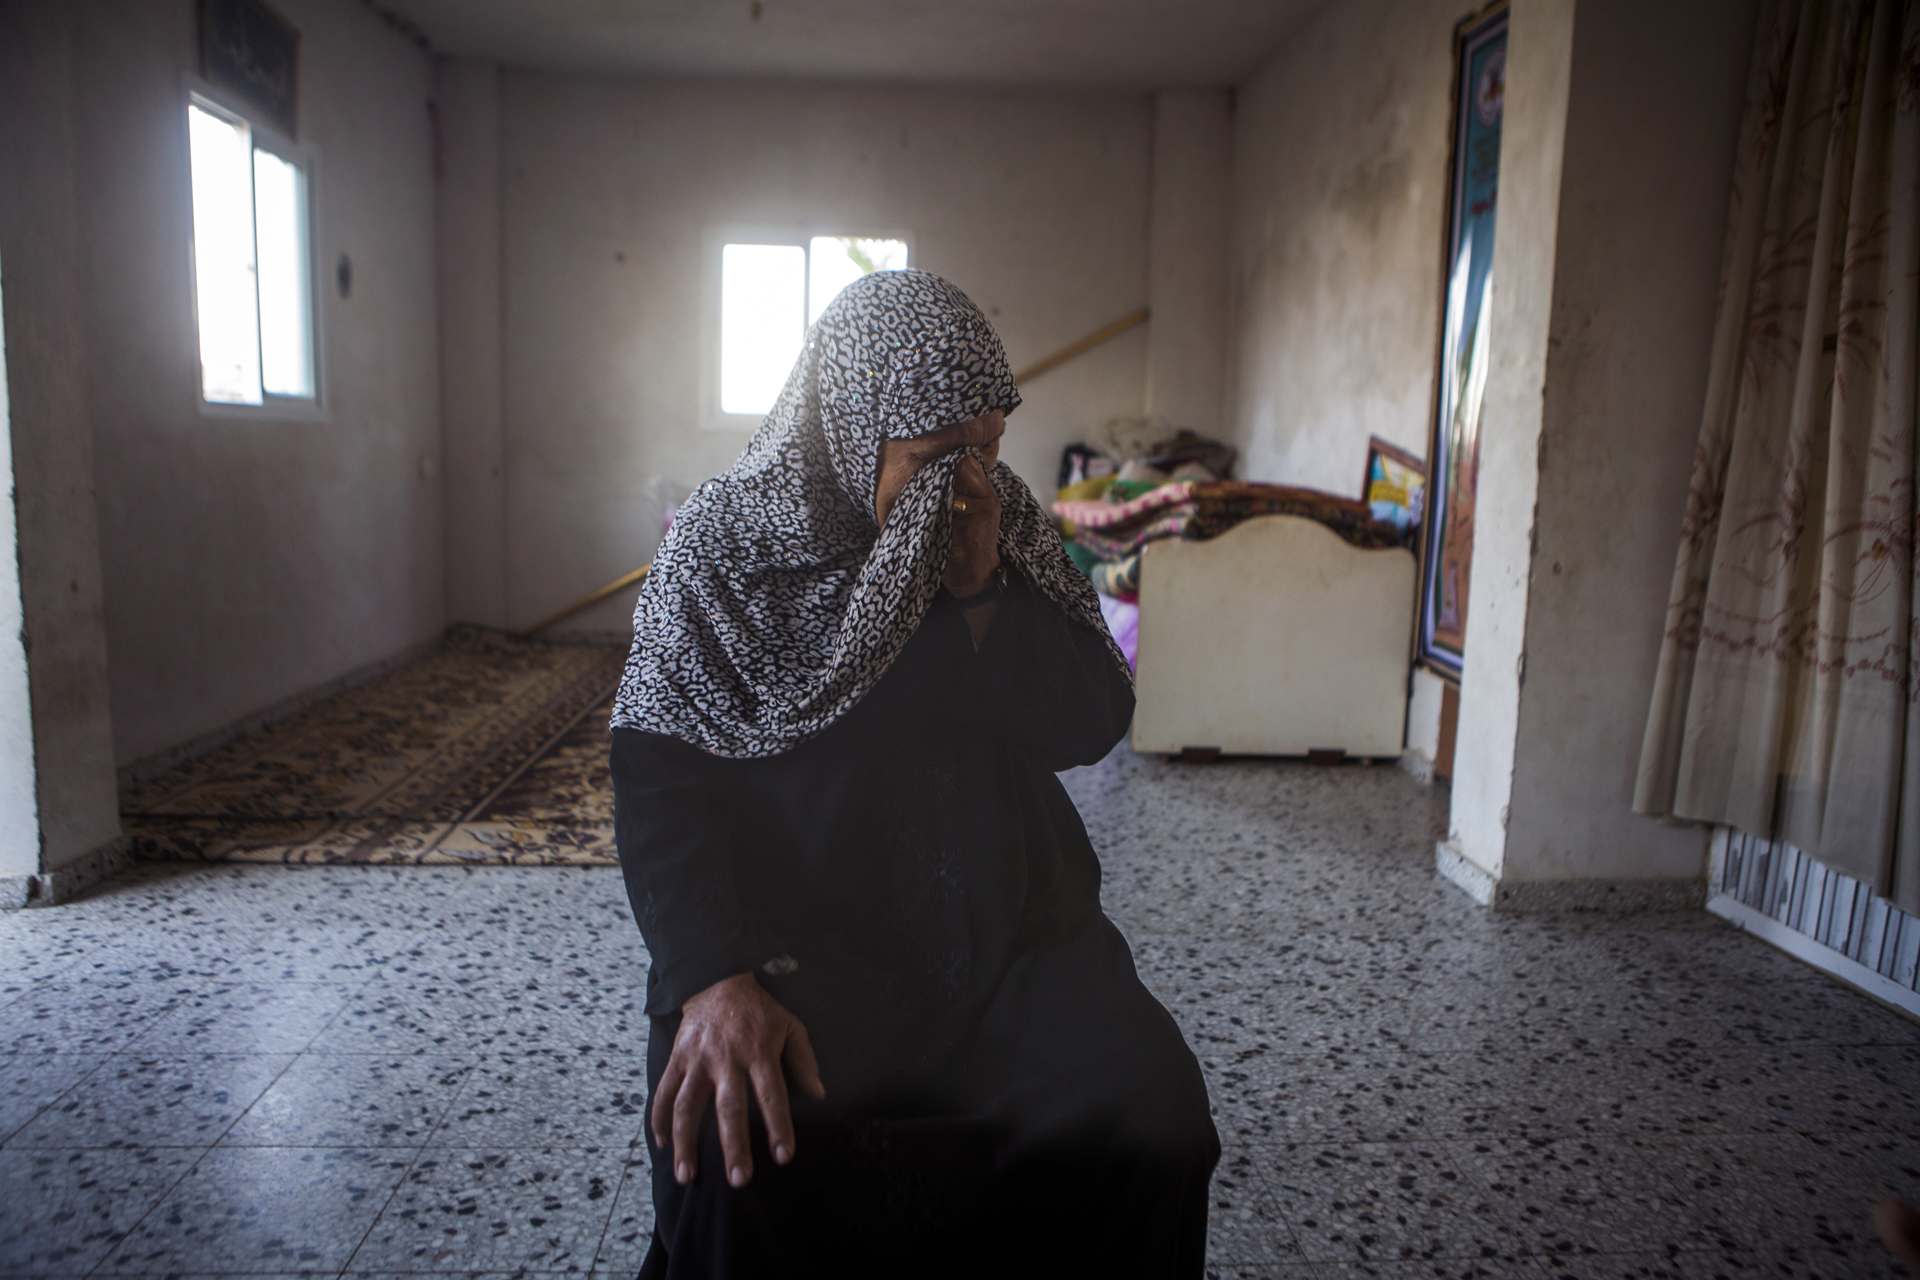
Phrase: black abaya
x=916 y=887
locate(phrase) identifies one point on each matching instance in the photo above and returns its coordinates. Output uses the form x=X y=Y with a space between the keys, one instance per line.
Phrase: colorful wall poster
x=1395 y=487
x=1446 y=561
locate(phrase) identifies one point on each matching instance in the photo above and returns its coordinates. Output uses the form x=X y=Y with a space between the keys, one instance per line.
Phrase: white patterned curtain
x=1788 y=698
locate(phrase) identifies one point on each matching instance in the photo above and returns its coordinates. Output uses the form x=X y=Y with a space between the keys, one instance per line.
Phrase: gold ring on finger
x=960 y=505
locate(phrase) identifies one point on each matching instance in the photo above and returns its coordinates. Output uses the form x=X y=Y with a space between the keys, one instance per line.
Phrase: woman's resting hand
x=733 y=1039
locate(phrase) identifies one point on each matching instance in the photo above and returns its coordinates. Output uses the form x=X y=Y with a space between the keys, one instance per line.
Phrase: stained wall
x=1339 y=188
x=1192 y=210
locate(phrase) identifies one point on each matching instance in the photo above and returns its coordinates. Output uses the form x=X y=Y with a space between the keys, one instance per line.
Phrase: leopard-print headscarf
x=776 y=604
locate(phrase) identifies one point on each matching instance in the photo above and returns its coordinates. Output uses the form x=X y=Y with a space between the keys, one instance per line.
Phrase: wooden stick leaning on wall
x=617 y=585
x=1085 y=345
x=1053 y=361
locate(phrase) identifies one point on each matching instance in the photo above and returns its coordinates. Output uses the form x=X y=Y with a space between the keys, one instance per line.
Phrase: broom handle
x=617 y=585
x=1085 y=344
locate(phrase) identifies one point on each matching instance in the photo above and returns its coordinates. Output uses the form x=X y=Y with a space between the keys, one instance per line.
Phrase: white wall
x=1426 y=695
x=473 y=431
x=47 y=354
x=1647 y=175
x=1187 y=259
x=19 y=793
x=1339 y=192
x=1035 y=204
x=246 y=561
x=1539 y=70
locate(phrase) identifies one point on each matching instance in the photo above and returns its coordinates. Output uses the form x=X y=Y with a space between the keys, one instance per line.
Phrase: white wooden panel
x=1801 y=946
x=1873 y=942
x=1905 y=968
x=1276 y=638
x=1828 y=909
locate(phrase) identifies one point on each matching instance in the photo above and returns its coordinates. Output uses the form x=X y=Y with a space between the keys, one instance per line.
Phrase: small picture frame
x=1395 y=487
x=250 y=50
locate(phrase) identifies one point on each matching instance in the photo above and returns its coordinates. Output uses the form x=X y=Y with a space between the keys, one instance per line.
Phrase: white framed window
x=768 y=286
x=252 y=266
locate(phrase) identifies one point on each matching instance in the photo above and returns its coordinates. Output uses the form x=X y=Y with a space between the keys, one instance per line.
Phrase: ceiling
x=1117 y=44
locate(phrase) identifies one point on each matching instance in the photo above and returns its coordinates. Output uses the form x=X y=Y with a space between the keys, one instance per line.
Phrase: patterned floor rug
x=490 y=750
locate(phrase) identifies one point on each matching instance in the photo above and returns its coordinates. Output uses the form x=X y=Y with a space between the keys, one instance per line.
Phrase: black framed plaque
x=250 y=50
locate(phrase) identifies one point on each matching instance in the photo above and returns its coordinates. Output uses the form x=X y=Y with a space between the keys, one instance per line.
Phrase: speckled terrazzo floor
x=259 y=1070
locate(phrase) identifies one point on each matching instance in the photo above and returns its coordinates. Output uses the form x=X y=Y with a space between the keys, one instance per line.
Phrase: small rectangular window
x=252 y=265
x=286 y=305
x=223 y=258
x=770 y=293
x=763 y=310
x=834 y=262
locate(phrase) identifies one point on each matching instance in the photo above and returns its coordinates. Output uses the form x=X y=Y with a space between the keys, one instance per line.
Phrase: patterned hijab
x=776 y=603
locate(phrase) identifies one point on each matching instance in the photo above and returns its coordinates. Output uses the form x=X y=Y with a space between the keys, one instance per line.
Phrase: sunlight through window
x=763 y=311
x=253 y=265
x=770 y=294
x=223 y=259
x=834 y=262
x=286 y=310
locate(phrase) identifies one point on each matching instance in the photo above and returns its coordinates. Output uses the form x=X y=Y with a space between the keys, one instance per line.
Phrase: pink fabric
x=1125 y=542
x=1097 y=513
x=1123 y=620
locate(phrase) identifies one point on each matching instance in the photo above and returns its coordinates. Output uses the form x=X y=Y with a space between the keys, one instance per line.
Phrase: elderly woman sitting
x=892 y=1032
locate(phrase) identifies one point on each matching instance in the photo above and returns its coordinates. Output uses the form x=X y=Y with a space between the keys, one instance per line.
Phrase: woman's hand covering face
x=772 y=609
x=975 y=552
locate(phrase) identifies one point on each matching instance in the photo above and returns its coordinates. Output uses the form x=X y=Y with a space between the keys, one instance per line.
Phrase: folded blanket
x=1085 y=489
x=1098 y=513
x=1184 y=509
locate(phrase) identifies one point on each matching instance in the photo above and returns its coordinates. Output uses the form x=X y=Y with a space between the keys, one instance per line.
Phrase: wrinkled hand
x=975 y=552
x=732 y=1042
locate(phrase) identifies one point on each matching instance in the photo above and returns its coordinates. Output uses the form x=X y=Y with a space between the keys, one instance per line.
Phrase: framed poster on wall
x=1446 y=547
x=1395 y=486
